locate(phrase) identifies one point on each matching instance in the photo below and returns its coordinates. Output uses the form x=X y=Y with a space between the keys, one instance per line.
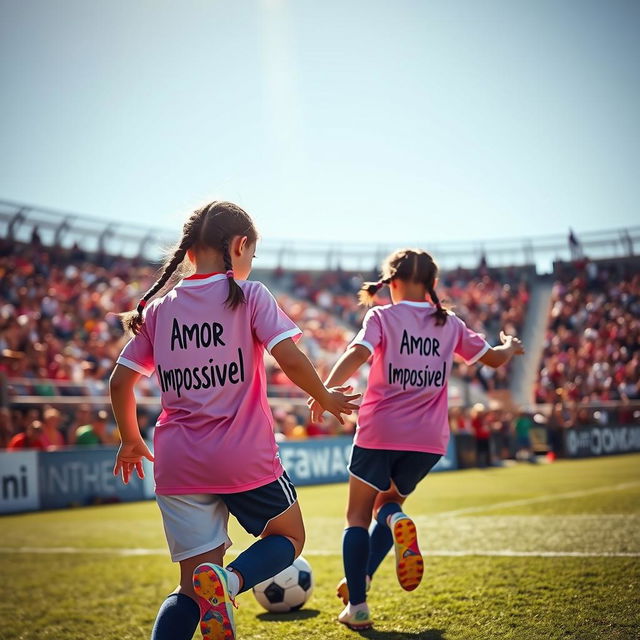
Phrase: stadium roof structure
x=19 y=221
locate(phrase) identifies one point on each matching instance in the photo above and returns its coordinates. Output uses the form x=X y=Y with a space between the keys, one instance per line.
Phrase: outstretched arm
x=348 y=363
x=300 y=371
x=497 y=356
x=132 y=447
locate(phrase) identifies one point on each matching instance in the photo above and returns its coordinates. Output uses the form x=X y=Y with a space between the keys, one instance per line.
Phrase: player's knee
x=356 y=518
x=297 y=541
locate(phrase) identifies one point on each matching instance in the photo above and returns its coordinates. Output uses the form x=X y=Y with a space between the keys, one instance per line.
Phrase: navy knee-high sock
x=263 y=560
x=380 y=541
x=177 y=618
x=386 y=510
x=380 y=536
x=355 y=552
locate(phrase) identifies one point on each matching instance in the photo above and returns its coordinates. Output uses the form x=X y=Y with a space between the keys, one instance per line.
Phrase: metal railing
x=94 y=235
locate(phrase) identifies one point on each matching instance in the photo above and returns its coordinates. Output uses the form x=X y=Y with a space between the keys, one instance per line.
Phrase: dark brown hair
x=408 y=265
x=214 y=226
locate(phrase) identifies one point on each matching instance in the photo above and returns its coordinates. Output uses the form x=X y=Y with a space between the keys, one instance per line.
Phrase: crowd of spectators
x=60 y=335
x=592 y=345
x=47 y=428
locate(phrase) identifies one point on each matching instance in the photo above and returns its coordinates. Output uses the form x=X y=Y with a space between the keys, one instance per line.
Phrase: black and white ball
x=287 y=591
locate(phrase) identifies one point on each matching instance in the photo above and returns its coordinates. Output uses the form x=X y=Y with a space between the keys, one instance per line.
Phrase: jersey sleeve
x=471 y=346
x=370 y=335
x=137 y=354
x=270 y=323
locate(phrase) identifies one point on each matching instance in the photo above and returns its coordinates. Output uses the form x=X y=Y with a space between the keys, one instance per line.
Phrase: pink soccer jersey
x=405 y=404
x=215 y=432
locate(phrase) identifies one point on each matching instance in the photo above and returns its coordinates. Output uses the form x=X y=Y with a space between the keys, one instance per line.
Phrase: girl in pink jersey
x=403 y=426
x=214 y=445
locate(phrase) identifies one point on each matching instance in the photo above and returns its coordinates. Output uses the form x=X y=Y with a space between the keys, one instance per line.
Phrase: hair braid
x=441 y=312
x=367 y=292
x=132 y=320
x=236 y=294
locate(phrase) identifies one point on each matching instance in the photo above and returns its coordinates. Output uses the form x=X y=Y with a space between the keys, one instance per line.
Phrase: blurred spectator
x=81 y=416
x=95 y=433
x=51 y=437
x=481 y=431
x=6 y=427
x=522 y=425
x=30 y=438
x=457 y=420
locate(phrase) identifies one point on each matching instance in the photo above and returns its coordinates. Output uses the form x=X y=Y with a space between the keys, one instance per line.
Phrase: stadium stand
x=592 y=346
x=59 y=337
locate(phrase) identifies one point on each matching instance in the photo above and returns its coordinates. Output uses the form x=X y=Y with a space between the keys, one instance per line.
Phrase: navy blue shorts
x=380 y=467
x=254 y=508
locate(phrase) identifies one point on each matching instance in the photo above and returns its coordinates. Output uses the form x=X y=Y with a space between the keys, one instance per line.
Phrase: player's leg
x=408 y=468
x=272 y=513
x=380 y=540
x=372 y=469
x=380 y=537
x=196 y=531
x=355 y=552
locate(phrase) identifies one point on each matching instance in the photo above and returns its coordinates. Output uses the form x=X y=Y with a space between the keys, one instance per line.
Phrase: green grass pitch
x=527 y=552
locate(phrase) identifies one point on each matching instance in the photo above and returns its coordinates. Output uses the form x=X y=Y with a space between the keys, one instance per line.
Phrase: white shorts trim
x=373 y=486
x=193 y=523
x=286 y=490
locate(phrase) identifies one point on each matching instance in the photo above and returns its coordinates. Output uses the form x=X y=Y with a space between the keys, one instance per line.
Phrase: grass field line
x=326 y=552
x=545 y=498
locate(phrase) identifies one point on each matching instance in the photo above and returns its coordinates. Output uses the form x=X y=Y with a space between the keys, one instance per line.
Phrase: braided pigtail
x=441 y=312
x=132 y=320
x=235 y=296
x=368 y=291
x=427 y=272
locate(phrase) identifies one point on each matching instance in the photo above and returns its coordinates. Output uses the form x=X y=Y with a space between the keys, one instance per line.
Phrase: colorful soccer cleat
x=342 y=590
x=210 y=583
x=409 y=562
x=356 y=620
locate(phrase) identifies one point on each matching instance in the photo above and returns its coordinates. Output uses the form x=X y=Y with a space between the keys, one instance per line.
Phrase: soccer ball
x=288 y=590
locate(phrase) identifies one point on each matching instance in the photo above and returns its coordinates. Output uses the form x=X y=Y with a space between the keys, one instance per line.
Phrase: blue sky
x=354 y=120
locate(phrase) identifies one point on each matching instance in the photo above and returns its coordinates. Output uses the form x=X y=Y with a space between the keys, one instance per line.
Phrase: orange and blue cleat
x=409 y=562
x=210 y=584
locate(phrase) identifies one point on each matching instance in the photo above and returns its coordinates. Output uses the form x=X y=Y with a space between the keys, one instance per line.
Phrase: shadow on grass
x=302 y=614
x=427 y=634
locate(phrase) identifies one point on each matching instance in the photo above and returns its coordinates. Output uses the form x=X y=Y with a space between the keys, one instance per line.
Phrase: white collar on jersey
x=412 y=303
x=197 y=282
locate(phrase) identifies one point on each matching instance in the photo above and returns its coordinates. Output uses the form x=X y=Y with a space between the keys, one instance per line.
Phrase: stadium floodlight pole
x=65 y=225
x=17 y=219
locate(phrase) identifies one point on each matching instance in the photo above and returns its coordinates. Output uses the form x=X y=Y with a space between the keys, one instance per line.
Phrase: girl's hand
x=335 y=402
x=129 y=457
x=514 y=343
